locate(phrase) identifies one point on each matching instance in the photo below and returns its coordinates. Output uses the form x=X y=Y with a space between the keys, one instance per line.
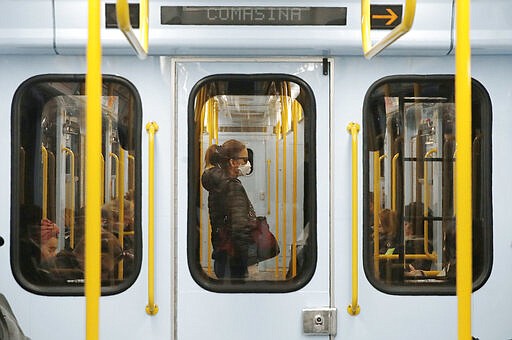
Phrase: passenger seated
x=111 y=254
x=48 y=239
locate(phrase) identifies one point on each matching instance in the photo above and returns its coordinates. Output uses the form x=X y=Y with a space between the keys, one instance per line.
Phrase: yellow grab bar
x=393 y=181
x=426 y=204
x=113 y=155
x=151 y=308
x=432 y=256
x=463 y=168
x=284 y=126
x=120 y=199
x=354 y=309
x=376 y=212
x=404 y=27
x=123 y=22
x=93 y=89
x=71 y=155
x=44 y=158
x=278 y=129
x=268 y=187
x=295 y=118
x=102 y=179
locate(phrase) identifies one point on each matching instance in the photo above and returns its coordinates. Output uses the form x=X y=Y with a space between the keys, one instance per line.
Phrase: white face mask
x=245 y=169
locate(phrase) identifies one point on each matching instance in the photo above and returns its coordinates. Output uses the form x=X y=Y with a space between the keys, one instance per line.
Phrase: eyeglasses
x=245 y=159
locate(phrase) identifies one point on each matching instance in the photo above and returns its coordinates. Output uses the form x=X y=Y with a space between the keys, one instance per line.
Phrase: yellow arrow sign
x=391 y=16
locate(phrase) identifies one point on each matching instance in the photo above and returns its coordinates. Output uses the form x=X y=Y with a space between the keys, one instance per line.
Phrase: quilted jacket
x=230 y=211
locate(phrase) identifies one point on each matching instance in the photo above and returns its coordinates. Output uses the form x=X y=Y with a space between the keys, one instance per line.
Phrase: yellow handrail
x=278 y=132
x=463 y=169
x=102 y=179
x=284 y=127
x=71 y=155
x=407 y=257
x=393 y=181
x=124 y=24
x=432 y=256
x=376 y=212
x=268 y=187
x=131 y=172
x=120 y=200
x=354 y=309
x=151 y=308
x=295 y=114
x=44 y=158
x=113 y=155
x=404 y=27
x=426 y=204
x=92 y=166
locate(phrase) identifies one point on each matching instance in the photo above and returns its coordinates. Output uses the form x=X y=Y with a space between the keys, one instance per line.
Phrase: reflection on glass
x=50 y=221
x=243 y=127
x=410 y=235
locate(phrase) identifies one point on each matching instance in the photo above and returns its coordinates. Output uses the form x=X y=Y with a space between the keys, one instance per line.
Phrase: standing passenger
x=230 y=210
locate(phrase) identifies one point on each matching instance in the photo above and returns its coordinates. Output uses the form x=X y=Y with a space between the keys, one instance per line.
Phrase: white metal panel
x=248 y=315
x=430 y=34
x=422 y=317
x=26 y=27
x=491 y=27
x=122 y=316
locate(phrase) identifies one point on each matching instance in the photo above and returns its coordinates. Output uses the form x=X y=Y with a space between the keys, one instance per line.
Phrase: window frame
x=16 y=124
x=478 y=93
x=250 y=286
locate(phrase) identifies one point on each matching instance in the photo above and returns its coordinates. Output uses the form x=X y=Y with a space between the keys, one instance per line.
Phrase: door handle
x=151 y=308
x=354 y=309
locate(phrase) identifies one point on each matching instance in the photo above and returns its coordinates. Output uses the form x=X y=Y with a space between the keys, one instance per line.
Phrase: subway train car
x=350 y=161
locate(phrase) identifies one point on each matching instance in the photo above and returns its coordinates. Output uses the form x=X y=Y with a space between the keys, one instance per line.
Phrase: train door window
x=48 y=184
x=252 y=233
x=409 y=160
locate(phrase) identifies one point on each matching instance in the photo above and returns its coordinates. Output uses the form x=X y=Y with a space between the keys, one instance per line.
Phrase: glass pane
x=410 y=157
x=250 y=170
x=49 y=213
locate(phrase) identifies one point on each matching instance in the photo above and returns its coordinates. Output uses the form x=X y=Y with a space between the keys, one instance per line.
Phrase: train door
x=227 y=284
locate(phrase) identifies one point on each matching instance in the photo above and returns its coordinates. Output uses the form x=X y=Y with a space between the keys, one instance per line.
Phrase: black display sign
x=253 y=16
x=385 y=16
x=111 y=17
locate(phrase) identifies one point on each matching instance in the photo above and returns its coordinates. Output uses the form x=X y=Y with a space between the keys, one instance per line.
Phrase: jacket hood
x=214 y=179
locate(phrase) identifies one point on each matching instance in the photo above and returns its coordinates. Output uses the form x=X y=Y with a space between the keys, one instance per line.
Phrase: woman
x=231 y=212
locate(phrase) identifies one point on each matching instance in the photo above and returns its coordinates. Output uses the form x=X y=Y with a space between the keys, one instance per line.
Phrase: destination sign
x=253 y=16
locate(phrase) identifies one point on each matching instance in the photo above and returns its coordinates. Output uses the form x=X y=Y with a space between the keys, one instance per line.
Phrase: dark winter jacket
x=231 y=213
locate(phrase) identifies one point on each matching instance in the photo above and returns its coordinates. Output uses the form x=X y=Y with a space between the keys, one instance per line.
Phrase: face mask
x=245 y=169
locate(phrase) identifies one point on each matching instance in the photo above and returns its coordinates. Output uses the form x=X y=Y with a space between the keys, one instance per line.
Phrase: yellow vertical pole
x=278 y=134
x=144 y=24
x=69 y=152
x=426 y=201
x=151 y=307
x=120 y=197
x=44 y=157
x=354 y=309
x=92 y=168
x=463 y=189
x=102 y=179
x=393 y=181
x=376 y=211
x=284 y=118
x=295 y=114
x=268 y=186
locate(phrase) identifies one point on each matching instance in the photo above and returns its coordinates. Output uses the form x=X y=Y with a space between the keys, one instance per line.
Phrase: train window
x=252 y=233
x=409 y=159
x=48 y=184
